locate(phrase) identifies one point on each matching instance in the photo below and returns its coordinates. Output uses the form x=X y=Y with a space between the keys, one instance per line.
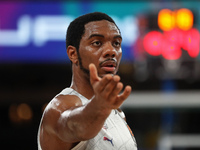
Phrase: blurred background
x=161 y=62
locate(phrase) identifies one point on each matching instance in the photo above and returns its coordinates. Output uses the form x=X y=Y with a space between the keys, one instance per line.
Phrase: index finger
x=93 y=73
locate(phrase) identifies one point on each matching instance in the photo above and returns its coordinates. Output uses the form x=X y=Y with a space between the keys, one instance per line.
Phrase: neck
x=81 y=83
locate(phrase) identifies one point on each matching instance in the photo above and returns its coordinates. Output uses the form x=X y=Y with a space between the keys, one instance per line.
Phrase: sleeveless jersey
x=114 y=135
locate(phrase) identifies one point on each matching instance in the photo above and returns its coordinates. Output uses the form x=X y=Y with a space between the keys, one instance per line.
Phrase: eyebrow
x=100 y=35
x=93 y=35
x=118 y=36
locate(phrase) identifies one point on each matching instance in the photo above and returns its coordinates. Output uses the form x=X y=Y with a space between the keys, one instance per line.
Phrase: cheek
x=89 y=55
x=119 y=54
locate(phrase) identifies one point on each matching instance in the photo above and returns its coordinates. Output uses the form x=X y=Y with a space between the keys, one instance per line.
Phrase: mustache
x=108 y=59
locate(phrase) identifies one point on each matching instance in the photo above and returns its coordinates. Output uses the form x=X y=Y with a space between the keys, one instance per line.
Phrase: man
x=86 y=115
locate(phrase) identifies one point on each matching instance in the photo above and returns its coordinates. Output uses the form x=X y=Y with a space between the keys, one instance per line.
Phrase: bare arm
x=74 y=122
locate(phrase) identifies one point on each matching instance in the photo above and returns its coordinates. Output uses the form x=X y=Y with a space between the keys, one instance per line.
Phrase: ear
x=72 y=54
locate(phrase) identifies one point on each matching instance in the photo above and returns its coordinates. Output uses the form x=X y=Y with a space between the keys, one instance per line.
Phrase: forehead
x=101 y=27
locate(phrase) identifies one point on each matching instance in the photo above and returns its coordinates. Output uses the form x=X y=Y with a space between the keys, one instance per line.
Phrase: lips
x=108 y=65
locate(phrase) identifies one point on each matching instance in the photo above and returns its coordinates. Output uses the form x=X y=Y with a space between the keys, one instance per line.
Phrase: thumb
x=93 y=74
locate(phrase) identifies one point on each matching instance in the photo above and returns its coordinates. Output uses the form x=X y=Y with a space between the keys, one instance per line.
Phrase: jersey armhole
x=80 y=146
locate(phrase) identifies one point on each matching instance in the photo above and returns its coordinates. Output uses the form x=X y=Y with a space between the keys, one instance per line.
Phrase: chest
x=115 y=134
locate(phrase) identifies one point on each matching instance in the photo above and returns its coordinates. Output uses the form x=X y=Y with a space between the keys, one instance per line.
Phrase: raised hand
x=107 y=89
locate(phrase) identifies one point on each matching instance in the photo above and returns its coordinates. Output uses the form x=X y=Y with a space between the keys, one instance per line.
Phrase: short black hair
x=76 y=28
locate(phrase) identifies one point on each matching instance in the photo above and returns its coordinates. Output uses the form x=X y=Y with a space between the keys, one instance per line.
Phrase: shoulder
x=48 y=130
x=56 y=107
x=62 y=103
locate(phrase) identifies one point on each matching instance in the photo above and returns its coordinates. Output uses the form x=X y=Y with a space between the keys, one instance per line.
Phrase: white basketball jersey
x=114 y=135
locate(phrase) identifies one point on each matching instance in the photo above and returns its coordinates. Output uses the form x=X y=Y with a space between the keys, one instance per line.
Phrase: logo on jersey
x=105 y=126
x=109 y=140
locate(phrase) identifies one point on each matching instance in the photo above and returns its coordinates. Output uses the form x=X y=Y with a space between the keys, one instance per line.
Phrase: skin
x=66 y=121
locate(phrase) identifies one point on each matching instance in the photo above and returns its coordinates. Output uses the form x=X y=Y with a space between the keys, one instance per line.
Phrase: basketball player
x=86 y=115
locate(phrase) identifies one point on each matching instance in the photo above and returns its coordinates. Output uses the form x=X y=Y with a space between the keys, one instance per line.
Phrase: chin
x=111 y=73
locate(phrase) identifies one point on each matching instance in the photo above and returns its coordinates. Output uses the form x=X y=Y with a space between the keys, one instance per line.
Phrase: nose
x=109 y=51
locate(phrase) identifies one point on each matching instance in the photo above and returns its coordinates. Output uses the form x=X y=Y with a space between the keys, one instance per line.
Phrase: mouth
x=109 y=66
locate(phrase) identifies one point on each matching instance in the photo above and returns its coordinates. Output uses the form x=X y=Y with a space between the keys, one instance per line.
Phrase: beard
x=86 y=71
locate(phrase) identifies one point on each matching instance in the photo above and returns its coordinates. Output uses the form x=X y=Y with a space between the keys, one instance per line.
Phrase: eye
x=96 y=43
x=117 y=44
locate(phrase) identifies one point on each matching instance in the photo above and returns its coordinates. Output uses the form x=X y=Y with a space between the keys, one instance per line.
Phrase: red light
x=171 y=50
x=171 y=44
x=174 y=35
x=153 y=43
x=177 y=34
x=191 y=42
